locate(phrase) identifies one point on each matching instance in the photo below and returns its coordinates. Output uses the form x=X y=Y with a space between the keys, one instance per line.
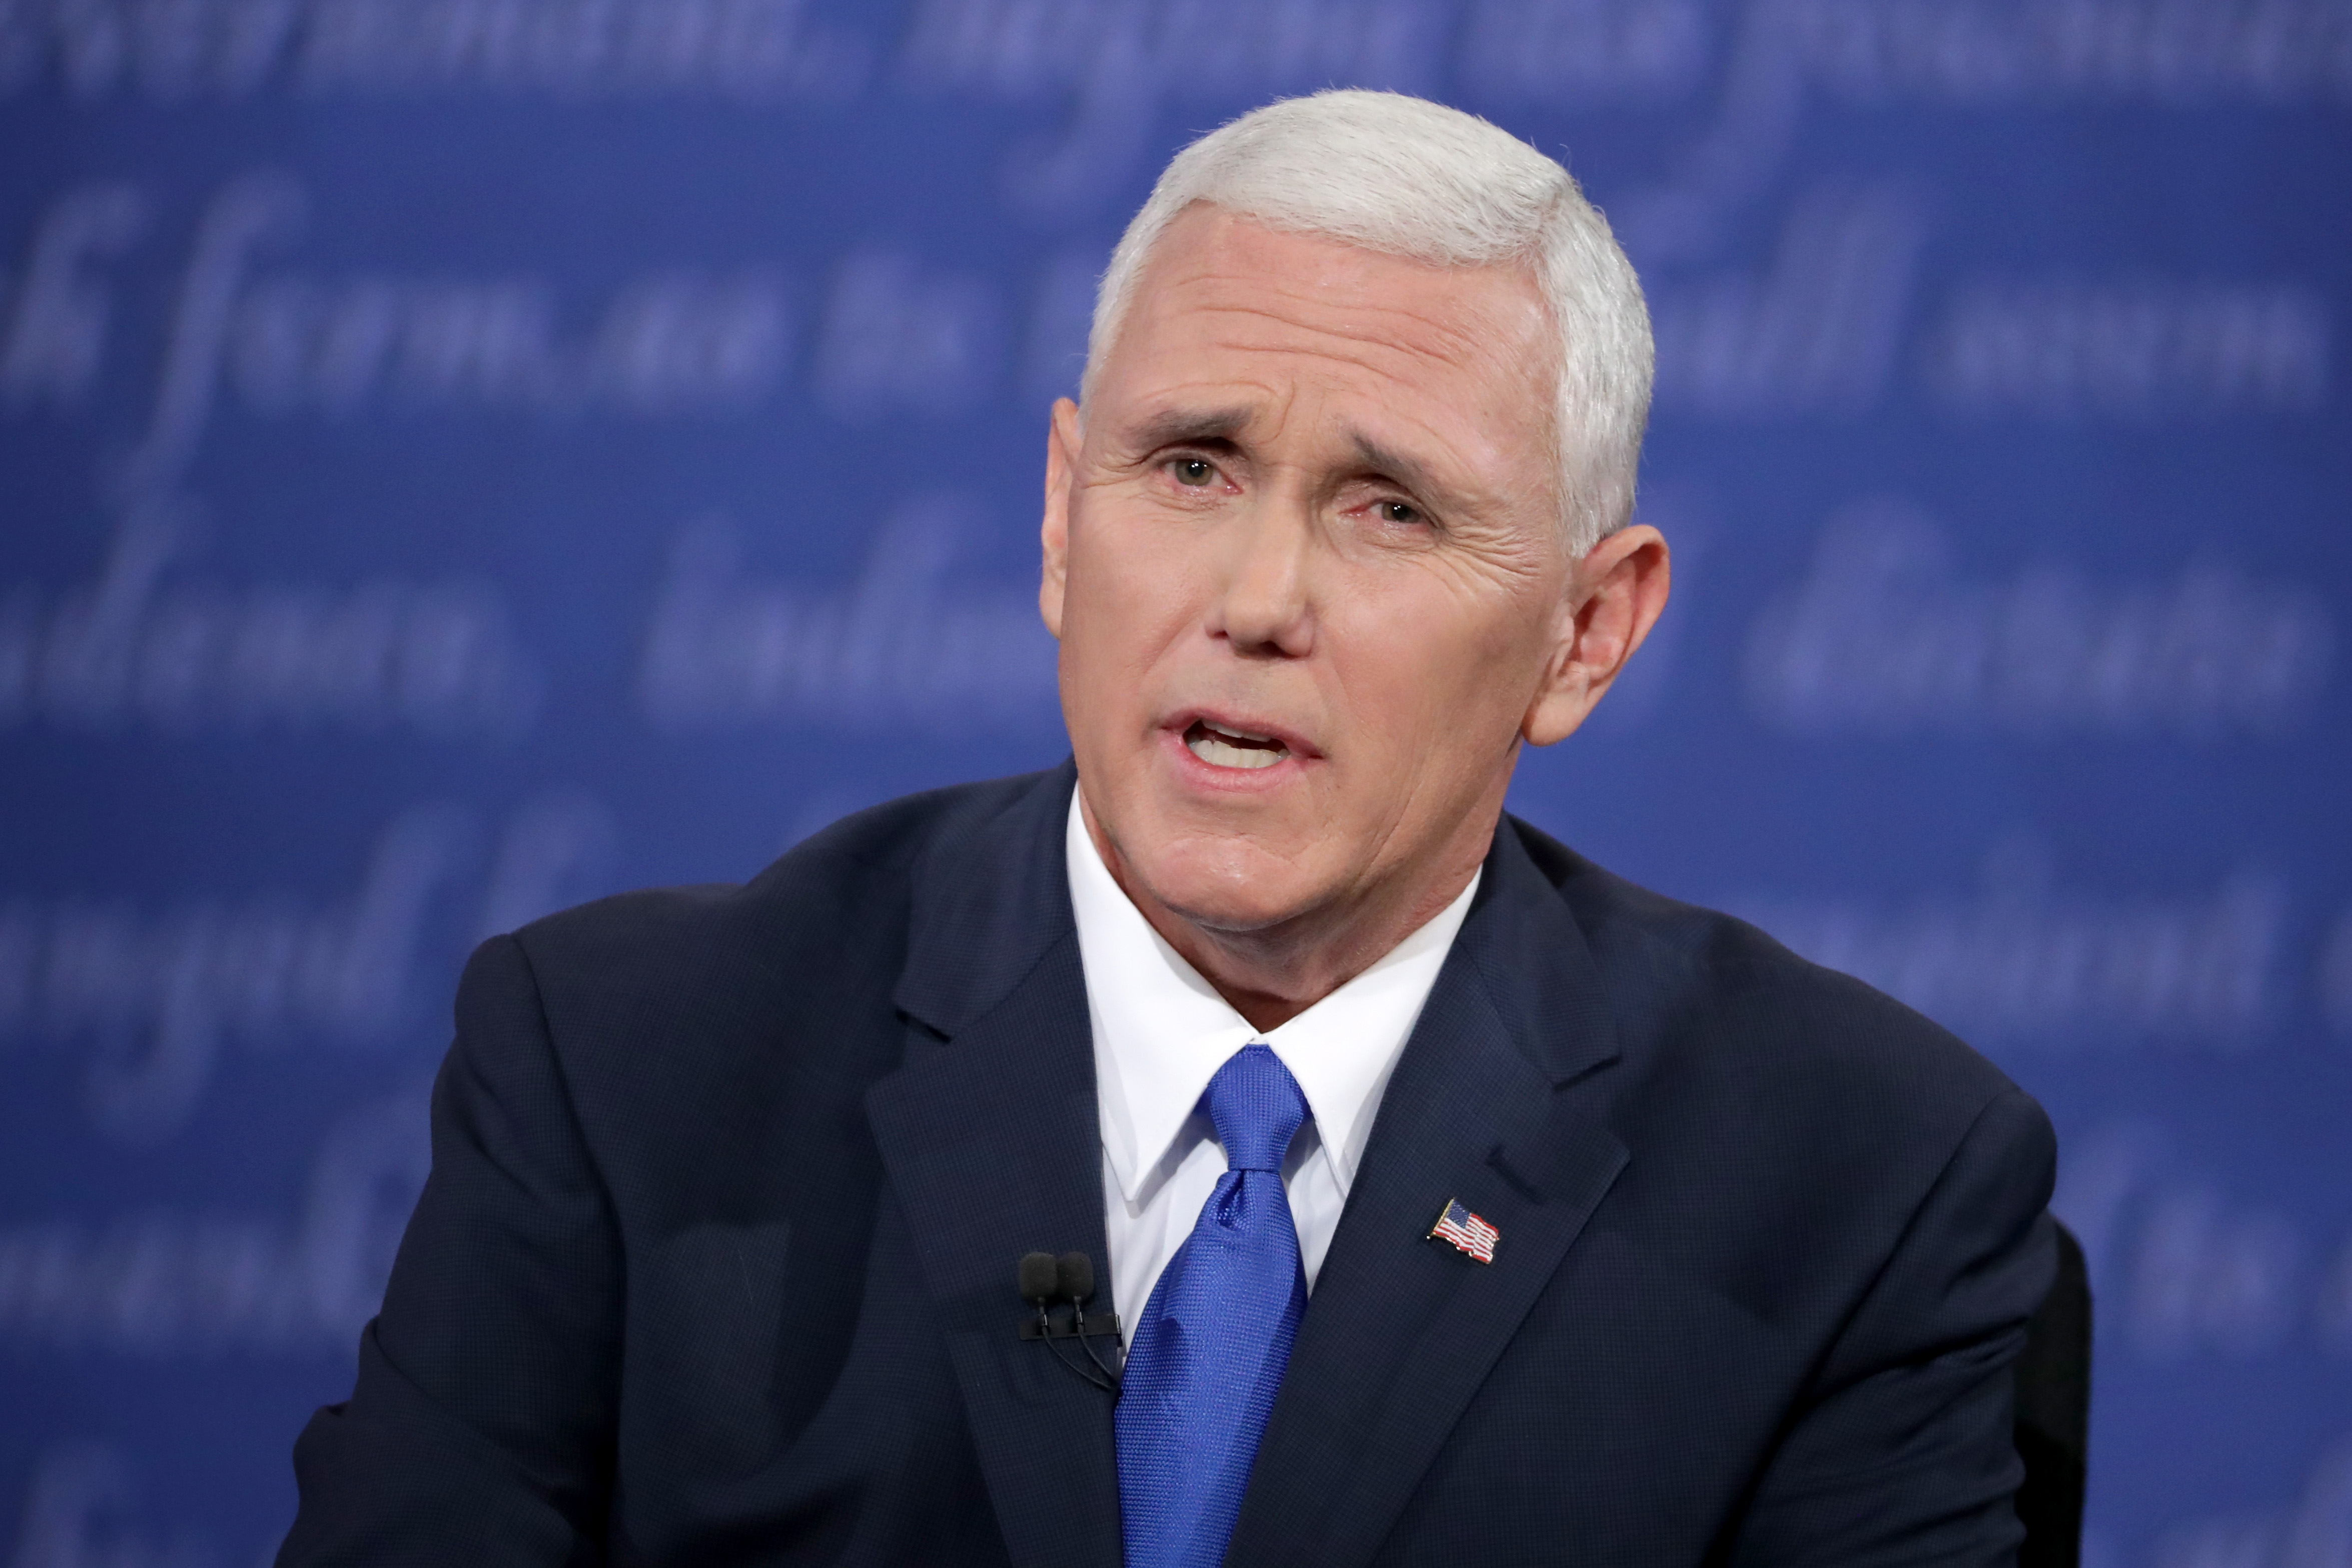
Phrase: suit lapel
x=993 y=1149
x=1401 y=1330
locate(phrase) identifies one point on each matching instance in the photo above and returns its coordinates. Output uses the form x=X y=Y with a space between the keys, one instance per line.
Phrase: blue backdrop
x=460 y=457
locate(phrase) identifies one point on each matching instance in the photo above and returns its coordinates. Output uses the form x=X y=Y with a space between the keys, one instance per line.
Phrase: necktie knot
x=1257 y=1109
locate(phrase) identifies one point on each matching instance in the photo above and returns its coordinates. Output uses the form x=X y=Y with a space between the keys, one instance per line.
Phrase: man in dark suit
x=1459 y=1202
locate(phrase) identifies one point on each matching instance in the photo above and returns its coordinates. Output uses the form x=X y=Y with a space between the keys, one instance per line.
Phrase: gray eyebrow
x=1191 y=426
x=1410 y=473
x=1208 y=426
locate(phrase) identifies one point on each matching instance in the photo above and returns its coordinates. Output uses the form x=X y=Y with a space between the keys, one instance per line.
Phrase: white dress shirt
x=1161 y=1032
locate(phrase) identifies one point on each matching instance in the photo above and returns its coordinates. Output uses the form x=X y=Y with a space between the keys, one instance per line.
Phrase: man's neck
x=1271 y=974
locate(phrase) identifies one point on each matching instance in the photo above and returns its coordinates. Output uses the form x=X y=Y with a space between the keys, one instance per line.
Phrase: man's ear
x=1064 y=436
x=1614 y=597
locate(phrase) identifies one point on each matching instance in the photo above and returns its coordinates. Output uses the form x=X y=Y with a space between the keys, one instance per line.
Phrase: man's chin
x=1232 y=891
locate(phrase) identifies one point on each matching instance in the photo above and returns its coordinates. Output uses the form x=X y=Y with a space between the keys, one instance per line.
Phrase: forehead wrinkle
x=1311 y=267
x=1427 y=336
x=1388 y=363
x=1461 y=349
x=1331 y=286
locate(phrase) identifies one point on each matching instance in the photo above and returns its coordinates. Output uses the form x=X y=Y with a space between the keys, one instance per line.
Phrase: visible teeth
x=1234 y=735
x=1210 y=748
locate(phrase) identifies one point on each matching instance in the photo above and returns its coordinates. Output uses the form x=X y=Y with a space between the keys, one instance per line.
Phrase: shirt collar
x=1160 y=1031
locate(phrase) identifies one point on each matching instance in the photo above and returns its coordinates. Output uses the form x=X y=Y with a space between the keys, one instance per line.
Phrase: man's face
x=1302 y=555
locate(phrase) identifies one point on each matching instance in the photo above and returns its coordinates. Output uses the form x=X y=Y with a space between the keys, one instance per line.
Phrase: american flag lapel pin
x=1466 y=1231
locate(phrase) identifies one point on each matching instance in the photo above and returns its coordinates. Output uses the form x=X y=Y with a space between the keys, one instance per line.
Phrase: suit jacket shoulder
x=1780 y=1100
x=718 y=1008
x=1672 y=968
x=846 y=885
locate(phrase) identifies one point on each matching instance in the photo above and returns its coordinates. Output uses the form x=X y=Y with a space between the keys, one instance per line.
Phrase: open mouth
x=1222 y=748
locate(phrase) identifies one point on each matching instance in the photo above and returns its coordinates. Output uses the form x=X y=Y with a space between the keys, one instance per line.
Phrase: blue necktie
x=1210 y=1350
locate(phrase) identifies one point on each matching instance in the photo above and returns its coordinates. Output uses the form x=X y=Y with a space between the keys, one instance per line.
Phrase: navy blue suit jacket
x=716 y=1261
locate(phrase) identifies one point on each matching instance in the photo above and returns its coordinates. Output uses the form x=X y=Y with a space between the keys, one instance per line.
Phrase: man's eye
x=1399 y=512
x=1193 y=473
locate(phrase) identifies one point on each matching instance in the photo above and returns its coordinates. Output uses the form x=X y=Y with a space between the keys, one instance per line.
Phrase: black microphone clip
x=1047 y=1283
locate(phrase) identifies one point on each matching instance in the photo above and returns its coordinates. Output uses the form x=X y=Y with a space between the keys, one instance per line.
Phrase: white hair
x=1407 y=177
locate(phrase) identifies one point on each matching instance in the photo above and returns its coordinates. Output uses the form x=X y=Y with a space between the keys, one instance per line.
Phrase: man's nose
x=1265 y=604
